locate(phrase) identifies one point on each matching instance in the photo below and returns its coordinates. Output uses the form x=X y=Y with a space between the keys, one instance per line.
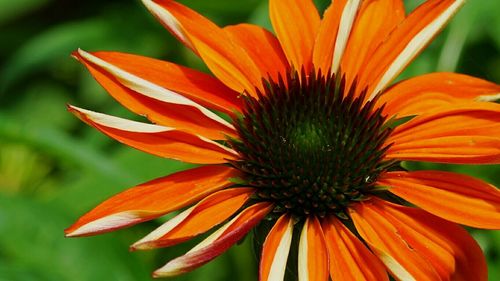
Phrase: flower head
x=314 y=141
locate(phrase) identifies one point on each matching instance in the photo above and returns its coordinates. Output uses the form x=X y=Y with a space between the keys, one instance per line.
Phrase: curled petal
x=157 y=140
x=313 y=254
x=350 y=260
x=421 y=94
x=224 y=57
x=276 y=249
x=468 y=200
x=198 y=219
x=263 y=47
x=406 y=42
x=296 y=23
x=466 y=133
x=152 y=199
x=218 y=242
x=139 y=84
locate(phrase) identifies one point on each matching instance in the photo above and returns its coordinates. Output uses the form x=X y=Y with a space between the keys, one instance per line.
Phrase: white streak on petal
x=108 y=222
x=346 y=22
x=169 y=21
x=303 y=254
x=214 y=236
x=162 y=230
x=395 y=267
x=278 y=266
x=149 y=89
x=415 y=46
x=121 y=123
x=175 y=267
x=134 y=126
x=172 y=268
x=493 y=97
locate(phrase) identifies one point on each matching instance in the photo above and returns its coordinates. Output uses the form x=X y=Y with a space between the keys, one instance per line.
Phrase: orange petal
x=350 y=260
x=157 y=140
x=296 y=23
x=197 y=86
x=376 y=19
x=276 y=249
x=313 y=254
x=468 y=200
x=406 y=42
x=421 y=94
x=218 y=242
x=449 y=248
x=224 y=57
x=327 y=35
x=198 y=219
x=263 y=47
x=386 y=242
x=466 y=133
x=140 y=84
x=152 y=199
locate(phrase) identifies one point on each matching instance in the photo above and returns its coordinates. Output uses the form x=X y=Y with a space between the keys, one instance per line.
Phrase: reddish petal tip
x=75 y=54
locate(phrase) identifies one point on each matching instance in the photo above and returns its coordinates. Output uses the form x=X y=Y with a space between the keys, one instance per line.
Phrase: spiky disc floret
x=309 y=145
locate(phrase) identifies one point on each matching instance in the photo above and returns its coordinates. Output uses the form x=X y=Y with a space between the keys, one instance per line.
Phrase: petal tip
x=141 y=245
x=68 y=233
x=76 y=54
x=77 y=111
x=168 y=270
x=71 y=232
x=151 y=6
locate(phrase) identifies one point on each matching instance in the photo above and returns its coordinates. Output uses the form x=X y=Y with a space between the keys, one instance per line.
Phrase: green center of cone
x=308 y=136
x=310 y=146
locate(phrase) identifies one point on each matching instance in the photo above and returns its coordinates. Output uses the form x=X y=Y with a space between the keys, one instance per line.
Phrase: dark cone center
x=310 y=145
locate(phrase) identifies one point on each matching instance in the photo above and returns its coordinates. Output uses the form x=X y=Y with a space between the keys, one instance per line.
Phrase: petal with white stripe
x=276 y=249
x=157 y=140
x=198 y=219
x=153 y=199
x=327 y=34
x=376 y=19
x=406 y=42
x=346 y=22
x=218 y=242
x=223 y=56
x=313 y=255
x=131 y=80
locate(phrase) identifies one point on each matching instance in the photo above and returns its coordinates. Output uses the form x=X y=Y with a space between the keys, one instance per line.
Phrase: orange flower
x=314 y=142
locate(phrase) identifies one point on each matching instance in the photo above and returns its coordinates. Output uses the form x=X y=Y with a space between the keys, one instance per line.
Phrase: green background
x=53 y=168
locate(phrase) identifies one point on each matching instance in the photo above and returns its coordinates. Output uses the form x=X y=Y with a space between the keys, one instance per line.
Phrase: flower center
x=309 y=145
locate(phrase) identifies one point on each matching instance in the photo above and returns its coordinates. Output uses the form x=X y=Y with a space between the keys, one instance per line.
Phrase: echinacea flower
x=302 y=131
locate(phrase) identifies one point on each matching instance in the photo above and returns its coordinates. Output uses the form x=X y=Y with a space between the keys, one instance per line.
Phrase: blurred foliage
x=53 y=168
